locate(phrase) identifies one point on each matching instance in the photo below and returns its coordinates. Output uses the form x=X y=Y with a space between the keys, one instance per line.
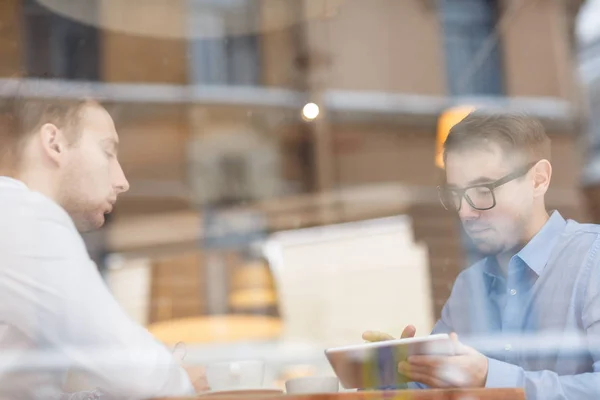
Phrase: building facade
x=207 y=96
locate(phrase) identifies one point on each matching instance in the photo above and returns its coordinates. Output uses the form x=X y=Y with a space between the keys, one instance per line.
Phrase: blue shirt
x=540 y=324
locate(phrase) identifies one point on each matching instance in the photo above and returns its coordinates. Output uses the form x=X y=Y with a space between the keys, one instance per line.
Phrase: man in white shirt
x=59 y=173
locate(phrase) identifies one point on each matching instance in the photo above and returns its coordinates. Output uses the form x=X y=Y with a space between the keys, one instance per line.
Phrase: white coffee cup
x=236 y=375
x=312 y=384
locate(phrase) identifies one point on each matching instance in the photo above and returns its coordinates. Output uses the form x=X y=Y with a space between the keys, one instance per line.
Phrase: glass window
x=471 y=69
x=224 y=49
x=59 y=47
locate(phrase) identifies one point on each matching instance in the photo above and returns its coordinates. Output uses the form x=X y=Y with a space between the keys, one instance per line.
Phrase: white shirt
x=56 y=313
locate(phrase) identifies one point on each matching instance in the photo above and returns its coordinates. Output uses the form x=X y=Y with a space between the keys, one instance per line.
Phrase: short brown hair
x=515 y=133
x=21 y=115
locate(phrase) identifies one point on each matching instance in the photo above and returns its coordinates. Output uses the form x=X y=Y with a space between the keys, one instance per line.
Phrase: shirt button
x=508 y=347
x=513 y=292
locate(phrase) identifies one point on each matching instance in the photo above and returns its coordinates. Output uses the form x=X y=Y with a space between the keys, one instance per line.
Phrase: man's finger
x=459 y=348
x=179 y=351
x=428 y=361
x=427 y=379
x=408 y=332
x=442 y=375
x=197 y=375
x=407 y=370
x=375 y=336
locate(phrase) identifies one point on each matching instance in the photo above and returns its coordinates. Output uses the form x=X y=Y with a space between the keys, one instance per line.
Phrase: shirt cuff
x=179 y=383
x=503 y=375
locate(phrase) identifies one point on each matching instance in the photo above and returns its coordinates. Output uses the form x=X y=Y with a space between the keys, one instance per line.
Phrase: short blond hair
x=21 y=116
x=514 y=133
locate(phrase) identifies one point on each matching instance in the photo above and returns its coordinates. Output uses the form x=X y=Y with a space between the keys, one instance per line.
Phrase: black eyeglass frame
x=461 y=193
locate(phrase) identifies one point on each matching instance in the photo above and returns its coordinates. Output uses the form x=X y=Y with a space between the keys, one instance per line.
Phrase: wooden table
x=451 y=394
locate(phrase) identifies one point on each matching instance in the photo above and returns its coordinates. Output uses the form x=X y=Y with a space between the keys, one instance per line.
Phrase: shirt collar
x=6 y=181
x=537 y=252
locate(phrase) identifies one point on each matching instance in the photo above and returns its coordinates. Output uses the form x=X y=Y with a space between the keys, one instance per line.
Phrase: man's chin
x=487 y=249
x=90 y=224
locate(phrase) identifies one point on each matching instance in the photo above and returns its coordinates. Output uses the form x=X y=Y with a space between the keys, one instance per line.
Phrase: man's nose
x=467 y=211
x=121 y=184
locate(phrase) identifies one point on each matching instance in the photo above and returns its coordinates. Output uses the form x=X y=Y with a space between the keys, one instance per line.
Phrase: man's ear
x=542 y=173
x=53 y=142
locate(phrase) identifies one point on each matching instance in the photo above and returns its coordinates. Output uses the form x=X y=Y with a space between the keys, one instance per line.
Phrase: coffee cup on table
x=312 y=385
x=236 y=375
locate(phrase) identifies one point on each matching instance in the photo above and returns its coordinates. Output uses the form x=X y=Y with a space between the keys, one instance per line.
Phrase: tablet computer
x=375 y=365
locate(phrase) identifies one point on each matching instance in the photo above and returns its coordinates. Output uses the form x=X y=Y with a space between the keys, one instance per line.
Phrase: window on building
x=472 y=52
x=224 y=49
x=59 y=47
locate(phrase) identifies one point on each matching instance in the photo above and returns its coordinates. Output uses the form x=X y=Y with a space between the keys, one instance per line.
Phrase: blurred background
x=283 y=155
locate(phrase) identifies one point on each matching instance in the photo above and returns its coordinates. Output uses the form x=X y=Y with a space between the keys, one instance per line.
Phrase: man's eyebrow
x=476 y=181
x=481 y=179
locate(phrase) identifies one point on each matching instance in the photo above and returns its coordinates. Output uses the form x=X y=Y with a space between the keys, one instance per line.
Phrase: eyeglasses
x=481 y=196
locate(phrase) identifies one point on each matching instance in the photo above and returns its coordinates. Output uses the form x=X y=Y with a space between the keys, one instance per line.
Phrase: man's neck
x=35 y=182
x=536 y=223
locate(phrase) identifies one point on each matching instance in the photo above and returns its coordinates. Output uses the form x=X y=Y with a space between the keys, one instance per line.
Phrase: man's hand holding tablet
x=374 y=365
x=466 y=368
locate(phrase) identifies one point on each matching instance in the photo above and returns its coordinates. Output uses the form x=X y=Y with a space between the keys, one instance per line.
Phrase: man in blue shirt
x=528 y=314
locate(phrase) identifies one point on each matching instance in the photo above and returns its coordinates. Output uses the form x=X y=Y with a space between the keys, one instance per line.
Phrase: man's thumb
x=459 y=348
x=408 y=332
x=179 y=352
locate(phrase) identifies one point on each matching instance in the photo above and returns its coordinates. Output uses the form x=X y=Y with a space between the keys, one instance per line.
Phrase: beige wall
x=566 y=160
x=388 y=45
x=278 y=46
x=152 y=147
x=152 y=141
x=11 y=55
x=384 y=154
x=536 y=50
x=147 y=59
x=177 y=287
